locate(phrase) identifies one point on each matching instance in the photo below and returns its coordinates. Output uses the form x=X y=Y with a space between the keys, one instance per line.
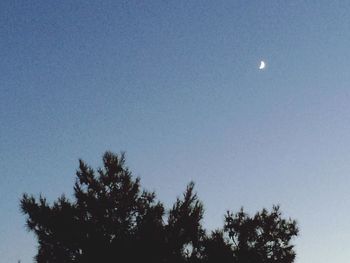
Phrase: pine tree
x=112 y=219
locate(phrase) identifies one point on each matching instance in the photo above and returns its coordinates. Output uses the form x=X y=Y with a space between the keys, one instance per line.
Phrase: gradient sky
x=176 y=85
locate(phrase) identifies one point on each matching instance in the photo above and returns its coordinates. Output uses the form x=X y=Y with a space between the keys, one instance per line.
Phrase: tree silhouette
x=217 y=248
x=264 y=238
x=112 y=219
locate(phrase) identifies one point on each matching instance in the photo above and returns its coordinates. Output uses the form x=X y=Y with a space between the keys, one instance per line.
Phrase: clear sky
x=176 y=85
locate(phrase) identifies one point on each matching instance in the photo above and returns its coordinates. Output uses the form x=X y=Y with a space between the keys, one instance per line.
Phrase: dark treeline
x=112 y=219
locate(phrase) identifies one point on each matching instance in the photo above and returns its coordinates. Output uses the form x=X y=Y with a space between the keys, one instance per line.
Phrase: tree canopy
x=112 y=219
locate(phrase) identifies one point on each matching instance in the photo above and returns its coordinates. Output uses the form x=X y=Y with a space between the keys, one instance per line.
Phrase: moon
x=262 y=65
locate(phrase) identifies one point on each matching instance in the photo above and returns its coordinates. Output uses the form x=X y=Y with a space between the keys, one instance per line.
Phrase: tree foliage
x=112 y=219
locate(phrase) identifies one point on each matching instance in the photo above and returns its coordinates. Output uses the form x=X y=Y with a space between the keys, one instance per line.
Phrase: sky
x=176 y=85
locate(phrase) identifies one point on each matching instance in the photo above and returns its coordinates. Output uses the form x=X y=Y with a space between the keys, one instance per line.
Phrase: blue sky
x=176 y=85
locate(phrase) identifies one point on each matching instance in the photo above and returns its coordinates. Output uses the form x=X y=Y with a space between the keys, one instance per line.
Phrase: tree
x=111 y=219
x=217 y=248
x=264 y=238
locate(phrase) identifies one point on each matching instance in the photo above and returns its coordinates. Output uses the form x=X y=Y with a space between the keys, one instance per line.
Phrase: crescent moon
x=262 y=65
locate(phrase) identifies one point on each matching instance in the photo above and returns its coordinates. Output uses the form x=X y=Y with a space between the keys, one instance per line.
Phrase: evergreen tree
x=111 y=219
x=263 y=238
